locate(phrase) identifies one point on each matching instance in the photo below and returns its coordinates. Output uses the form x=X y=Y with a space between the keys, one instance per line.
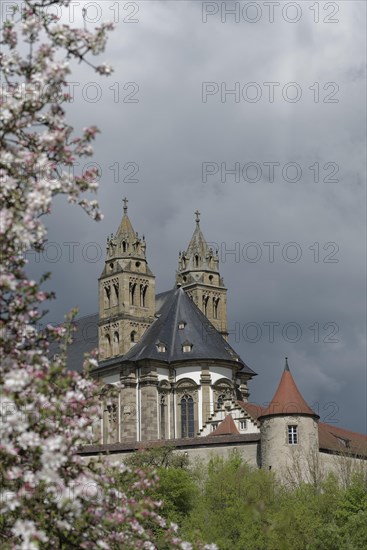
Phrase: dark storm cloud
x=167 y=135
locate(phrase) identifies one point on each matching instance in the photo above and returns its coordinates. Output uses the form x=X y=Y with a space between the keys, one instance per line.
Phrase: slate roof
x=175 y=306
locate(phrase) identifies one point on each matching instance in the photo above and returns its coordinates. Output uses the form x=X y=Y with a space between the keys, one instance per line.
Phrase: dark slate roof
x=85 y=339
x=207 y=343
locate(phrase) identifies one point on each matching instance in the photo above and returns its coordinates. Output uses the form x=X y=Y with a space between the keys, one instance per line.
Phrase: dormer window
x=161 y=348
x=344 y=442
x=181 y=325
x=186 y=347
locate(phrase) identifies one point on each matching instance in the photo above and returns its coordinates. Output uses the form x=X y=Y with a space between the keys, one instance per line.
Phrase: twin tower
x=127 y=300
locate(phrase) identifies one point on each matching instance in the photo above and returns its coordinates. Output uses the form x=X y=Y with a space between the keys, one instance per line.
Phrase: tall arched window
x=205 y=304
x=163 y=417
x=187 y=416
x=143 y=292
x=196 y=260
x=115 y=299
x=107 y=345
x=107 y=296
x=215 y=307
x=132 y=288
x=115 y=343
x=124 y=246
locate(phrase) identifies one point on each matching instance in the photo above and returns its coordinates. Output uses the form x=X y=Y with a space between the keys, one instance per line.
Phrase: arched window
x=107 y=297
x=115 y=343
x=205 y=304
x=124 y=246
x=115 y=294
x=163 y=417
x=143 y=292
x=196 y=260
x=107 y=345
x=133 y=336
x=187 y=416
x=132 y=288
x=215 y=307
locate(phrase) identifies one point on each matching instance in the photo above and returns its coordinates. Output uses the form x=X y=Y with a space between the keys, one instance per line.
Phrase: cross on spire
x=125 y=201
x=197 y=214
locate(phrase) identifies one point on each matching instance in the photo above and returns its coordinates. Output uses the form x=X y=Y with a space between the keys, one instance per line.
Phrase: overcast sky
x=297 y=147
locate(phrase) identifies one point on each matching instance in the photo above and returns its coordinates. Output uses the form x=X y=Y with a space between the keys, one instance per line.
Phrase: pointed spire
x=288 y=399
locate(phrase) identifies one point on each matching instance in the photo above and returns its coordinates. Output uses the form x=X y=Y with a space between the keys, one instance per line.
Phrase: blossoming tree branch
x=50 y=498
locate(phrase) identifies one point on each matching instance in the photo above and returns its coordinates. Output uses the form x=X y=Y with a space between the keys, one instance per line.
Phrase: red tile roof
x=335 y=439
x=287 y=398
x=226 y=427
x=253 y=409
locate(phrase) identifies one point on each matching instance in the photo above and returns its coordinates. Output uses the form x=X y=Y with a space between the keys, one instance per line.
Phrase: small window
x=243 y=424
x=186 y=347
x=292 y=435
x=161 y=348
x=214 y=426
x=181 y=325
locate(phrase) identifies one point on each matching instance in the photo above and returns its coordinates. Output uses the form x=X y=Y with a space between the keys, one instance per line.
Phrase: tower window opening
x=107 y=297
x=292 y=435
x=196 y=260
x=132 y=288
x=143 y=292
x=205 y=304
x=107 y=341
x=124 y=246
x=133 y=336
x=215 y=307
x=115 y=343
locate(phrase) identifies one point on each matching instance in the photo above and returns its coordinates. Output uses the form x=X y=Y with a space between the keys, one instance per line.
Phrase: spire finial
x=197 y=214
x=286 y=364
x=125 y=201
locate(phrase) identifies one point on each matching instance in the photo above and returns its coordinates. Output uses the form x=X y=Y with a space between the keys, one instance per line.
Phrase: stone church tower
x=126 y=291
x=198 y=274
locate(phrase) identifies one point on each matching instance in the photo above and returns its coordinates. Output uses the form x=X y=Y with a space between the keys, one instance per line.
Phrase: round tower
x=289 y=433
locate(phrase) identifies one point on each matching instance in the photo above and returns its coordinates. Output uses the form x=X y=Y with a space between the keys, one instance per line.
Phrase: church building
x=178 y=380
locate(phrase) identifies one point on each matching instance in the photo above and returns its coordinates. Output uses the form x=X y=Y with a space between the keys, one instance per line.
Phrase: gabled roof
x=207 y=343
x=226 y=427
x=287 y=399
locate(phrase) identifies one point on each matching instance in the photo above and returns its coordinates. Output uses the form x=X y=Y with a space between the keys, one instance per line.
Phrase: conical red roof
x=287 y=399
x=226 y=427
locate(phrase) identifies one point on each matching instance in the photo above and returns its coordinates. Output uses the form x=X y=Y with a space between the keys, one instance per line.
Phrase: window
x=133 y=336
x=116 y=341
x=292 y=435
x=243 y=424
x=161 y=348
x=214 y=426
x=107 y=345
x=124 y=246
x=132 y=288
x=215 y=307
x=107 y=296
x=205 y=304
x=163 y=417
x=143 y=292
x=181 y=325
x=196 y=260
x=220 y=400
x=187 y=416
x=186 y=347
